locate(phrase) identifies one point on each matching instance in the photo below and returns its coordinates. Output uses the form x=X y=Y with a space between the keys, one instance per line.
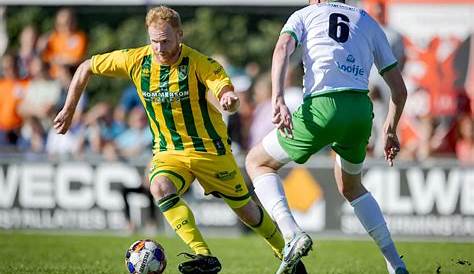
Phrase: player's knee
x=160 y=188
x=251 y=161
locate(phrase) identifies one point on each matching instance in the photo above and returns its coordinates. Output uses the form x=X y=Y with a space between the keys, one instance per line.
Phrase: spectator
x=465 y=142
x=262 y=115
x=69 y=145
x=135 y=141
x=41 y=95
x=64 y=79
x=28 y=50
x=128 y=101
x=72 y=144
x=253 y=70
x=38 y=106
x=144 y=188
x=102 y=129
x=238 y=124
x=66 y=45
x=11 y=94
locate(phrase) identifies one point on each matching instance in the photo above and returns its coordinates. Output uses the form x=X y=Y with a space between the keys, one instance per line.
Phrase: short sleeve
x=212 y=74
x=383 y=56
x=294 y=26
x=115 y=64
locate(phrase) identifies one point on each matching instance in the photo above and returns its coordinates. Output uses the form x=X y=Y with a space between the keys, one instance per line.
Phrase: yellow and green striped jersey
x=174 y=97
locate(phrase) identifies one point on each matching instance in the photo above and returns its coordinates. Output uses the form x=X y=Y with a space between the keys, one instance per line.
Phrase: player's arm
x=114 y=64
x=285 y=46
x=213 y=75
x=398 y=96
x=62 y=122
x=387 y=65
x=228 y=100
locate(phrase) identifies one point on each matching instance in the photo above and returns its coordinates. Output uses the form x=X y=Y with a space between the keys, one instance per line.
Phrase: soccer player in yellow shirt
x=189 y=136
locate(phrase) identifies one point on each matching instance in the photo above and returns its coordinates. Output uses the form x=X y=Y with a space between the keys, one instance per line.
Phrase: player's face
x=165 y=42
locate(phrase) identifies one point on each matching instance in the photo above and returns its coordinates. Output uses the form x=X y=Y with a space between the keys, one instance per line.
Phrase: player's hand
x=391 y=147
x=230 y=102
x=62 y=122
x=282 y=119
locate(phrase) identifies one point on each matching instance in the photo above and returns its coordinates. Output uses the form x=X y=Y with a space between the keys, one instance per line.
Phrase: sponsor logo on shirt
x=351 y=67
x=350 y=59
x=165 y=96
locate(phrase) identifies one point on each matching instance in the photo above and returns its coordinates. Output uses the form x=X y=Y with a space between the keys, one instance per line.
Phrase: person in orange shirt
x=66 y=45
x=11 y=92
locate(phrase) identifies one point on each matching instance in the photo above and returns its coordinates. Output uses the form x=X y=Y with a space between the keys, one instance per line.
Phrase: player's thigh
x=354 y=133
x=267 y=156
x=220 y=175
x=309 y=133
x=174 y=168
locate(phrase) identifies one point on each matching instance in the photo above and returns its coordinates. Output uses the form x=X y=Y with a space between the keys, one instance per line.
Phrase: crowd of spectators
x=35 y=76
x=438 y=120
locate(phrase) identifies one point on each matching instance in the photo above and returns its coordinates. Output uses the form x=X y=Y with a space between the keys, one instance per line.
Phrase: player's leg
x=177 y=213
x=262 y=163
x=352 y=138
x=180 y=217
x=367 y=210
x=221 y=176
x=257 y=219
x=275 y=150
x=262 y=169
x=169 y=178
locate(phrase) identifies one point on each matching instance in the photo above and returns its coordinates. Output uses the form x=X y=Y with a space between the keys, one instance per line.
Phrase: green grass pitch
x=37 y=253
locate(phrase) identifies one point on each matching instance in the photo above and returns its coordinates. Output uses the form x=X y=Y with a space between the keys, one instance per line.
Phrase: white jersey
x=340 y=43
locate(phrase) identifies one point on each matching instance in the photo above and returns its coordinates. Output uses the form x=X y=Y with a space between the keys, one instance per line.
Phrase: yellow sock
x=180 y=217
x=267 y=229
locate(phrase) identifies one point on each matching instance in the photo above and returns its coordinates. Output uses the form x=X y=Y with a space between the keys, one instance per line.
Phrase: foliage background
x=242 y=34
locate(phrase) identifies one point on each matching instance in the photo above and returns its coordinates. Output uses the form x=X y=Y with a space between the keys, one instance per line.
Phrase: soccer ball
x=145 y=257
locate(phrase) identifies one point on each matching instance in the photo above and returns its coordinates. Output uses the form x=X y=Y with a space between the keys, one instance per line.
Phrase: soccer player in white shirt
x=340 y=43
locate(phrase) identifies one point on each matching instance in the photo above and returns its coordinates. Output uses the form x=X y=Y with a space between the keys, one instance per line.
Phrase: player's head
x=165 y=32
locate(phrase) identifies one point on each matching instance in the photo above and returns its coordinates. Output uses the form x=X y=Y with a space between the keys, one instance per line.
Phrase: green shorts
x=342 y=119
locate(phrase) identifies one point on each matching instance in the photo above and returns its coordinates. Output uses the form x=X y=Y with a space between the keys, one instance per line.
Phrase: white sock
x=369 y=214
x=271 y=194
